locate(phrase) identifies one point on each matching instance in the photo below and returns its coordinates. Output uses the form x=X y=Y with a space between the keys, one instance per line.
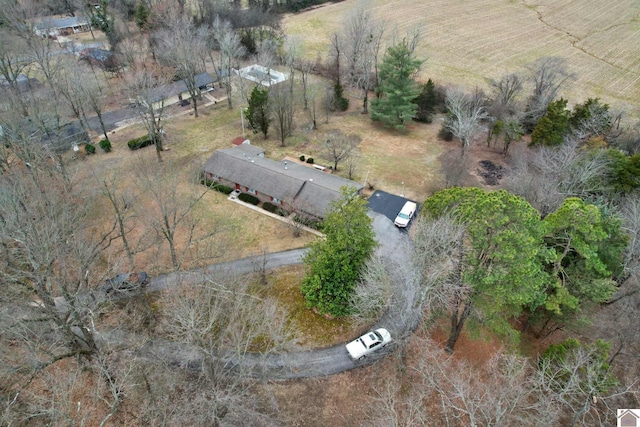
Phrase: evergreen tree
x=258 y=111
x=553 y=126
x=427 y=102
x=142 y=16
x=334 y=263
x=397 y=90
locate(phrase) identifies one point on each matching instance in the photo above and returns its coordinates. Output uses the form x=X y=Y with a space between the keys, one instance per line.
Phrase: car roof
x=369 y=337
x=408 y=206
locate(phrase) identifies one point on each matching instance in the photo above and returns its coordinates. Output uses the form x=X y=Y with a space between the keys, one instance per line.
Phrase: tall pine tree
x=397 y=91
x=258 y=111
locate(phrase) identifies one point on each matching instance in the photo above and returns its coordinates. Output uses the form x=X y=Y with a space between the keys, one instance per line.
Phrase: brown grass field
x=468 y=42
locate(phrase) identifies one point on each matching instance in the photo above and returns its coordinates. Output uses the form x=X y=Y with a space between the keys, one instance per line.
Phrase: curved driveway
x=400 y=319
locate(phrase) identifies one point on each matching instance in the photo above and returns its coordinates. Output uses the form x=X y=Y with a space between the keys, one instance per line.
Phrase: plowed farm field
x=468 y=42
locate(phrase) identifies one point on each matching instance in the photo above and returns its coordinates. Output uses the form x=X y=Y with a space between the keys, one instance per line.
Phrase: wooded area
x=542 y=263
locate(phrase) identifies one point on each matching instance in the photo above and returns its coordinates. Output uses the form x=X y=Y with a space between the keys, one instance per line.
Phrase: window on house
x=252 y=191
x=275 y=200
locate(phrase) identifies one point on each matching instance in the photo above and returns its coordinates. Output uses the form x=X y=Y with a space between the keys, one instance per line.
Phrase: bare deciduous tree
x=148 y=93
x=352 y=163
x=547 y=75
x=506 y=93
x=281 y=107
x=552 y=174
x=173 y=214
x=338 y=146
x=227 y=42
x=466 y=111
x=374 y=291
x=455 y=167
x=182 y=46
x=126 y=218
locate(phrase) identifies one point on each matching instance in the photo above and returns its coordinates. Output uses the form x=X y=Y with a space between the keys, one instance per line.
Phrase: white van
x=405 y=215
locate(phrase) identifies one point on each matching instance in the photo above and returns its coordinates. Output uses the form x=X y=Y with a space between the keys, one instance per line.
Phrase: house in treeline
x=101 y=58
x=178 y=91
x=296 y=187
x=61 y=26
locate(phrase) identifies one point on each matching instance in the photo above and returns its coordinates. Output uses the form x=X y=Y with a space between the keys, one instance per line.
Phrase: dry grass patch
x=314 y=330
x=470 y=42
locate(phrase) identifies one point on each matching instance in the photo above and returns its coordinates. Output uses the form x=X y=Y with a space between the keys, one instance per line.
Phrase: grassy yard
x=387 y=160
x=314 y=330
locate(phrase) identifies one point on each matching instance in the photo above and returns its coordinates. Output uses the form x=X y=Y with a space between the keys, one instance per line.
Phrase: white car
x=405 y=215
x=368 y=343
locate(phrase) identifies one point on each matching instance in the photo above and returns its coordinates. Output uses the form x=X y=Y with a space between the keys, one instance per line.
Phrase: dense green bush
x=310 y=160
x=302 y=158
x=215 y=185
x=141 y=142
x=444 y=133
x=249 y=198
x=105 y=144
x=90 y=149
x=270 y=207
x=308 y=221
x=223 y=188
x=340 y=103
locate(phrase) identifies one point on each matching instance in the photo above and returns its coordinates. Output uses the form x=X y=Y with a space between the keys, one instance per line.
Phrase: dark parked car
x=125 y=282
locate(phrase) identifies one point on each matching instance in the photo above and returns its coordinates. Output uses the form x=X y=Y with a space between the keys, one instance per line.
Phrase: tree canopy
x=514 y=261
x=587 y=249
x=258 y=111
x=334 y=264
x=553 y=126
x=501 y=263
x=397 y=90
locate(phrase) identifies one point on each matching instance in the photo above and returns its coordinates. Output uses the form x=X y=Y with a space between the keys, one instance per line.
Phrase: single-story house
x=102 y=58
x=178 y=91
x=293 y=186
x=61 y=26
x=22 y=82
x=59 y=138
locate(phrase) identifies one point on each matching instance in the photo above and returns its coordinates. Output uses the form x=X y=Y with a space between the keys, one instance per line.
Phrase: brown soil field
x=468 y=43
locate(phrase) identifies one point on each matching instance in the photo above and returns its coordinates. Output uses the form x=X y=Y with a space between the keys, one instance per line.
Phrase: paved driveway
x=401 y=318
x=389 y=204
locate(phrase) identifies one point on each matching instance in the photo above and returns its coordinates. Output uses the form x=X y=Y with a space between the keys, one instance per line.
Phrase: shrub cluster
x=90 y=149
x=276 y=209
x=141 y=142
x=270 y=207
x=105 y=144
x=249 y=198
x=215 y=185
x=302 y=158
x=310 y=160
x=444 y=133
x=308 y=221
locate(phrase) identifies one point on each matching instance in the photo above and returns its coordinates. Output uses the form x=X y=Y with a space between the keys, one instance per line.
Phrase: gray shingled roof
x=309 y=189
x=50 y=23
x=180 y=86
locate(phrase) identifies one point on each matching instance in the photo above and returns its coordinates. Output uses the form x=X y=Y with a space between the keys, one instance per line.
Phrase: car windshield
x=378 y=335
x=403 y=215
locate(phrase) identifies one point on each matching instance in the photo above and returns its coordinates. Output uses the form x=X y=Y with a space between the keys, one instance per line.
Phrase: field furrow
x=470 y=42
